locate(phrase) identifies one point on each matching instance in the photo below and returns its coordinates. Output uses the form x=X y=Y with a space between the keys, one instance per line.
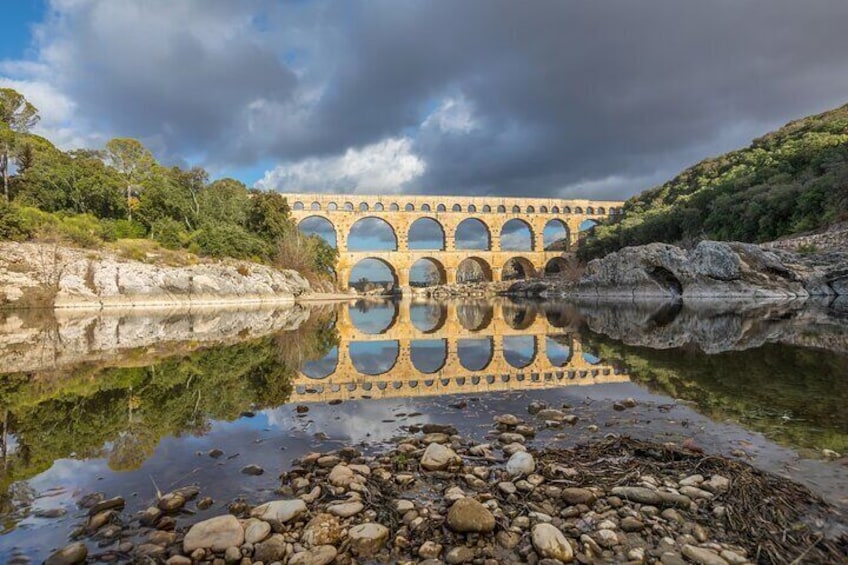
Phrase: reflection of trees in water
x=429 y=316
x=129 y=409
x=518 y=316
x=474 y=315
x=794 y=395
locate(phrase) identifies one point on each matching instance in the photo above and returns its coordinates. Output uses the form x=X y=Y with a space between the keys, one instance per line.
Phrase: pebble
x=320 y=555
x=468 y=515
x=216 y=534
x=550 y=542
x=256 y=530
x=279 y=511
x=69 y=555
x=438 y=457
x=520 y=463
x=702 y=556
x=254 y=470
x=368 y=539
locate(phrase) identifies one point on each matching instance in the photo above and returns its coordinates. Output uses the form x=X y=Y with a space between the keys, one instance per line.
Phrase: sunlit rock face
x=42 y=275
x=712 y=269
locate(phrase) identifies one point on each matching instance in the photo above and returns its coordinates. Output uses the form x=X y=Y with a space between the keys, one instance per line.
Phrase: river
x=125 y=403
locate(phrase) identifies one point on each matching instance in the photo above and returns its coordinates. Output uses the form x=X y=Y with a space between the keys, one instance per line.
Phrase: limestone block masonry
x=401 y=212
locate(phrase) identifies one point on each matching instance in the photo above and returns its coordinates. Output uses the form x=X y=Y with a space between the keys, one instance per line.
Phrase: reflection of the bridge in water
x=404 y=349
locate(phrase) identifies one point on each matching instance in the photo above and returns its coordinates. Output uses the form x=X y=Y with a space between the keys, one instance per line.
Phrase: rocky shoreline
x=434 y=497
x=712 y=270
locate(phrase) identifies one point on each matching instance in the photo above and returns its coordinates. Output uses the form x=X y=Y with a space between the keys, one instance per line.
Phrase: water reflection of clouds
x=428 y=355
x=559 y=354
x=374 y=357
x=475 y=353
x=519 y=350
x=320 y=368
x=373 y=318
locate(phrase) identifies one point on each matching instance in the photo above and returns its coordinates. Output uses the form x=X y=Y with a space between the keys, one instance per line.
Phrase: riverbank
x=434 y=496
x=41 y=275
x=711 y=270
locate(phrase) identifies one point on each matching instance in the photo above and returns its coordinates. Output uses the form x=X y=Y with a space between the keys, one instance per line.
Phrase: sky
x=560 y=98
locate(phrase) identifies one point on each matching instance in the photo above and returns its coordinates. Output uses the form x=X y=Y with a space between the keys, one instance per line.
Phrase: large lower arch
x=556 y=267
x=556 y=235
x=473 y=269
x=475 y=315
x=373 y=318
x=320 y=226
x=518 y=316
x=516 y=235
x=374 y=357
x=428 y=355
x=428 y=317
x=560 y=349
x=426 y=233
x=517 y=268
x=371 y=273
x=475 y=354
x=427 y=272
x=519 y=350
x=372 y=234
x=321 y=368
x=472 y=233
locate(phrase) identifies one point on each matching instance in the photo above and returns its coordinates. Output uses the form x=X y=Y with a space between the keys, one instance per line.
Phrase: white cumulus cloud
x=454 y=115
x=383 y=167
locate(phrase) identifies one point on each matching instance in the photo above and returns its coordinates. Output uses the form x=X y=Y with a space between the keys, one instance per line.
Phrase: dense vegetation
x=120 y=413
x=88 y=197
x=789 y=181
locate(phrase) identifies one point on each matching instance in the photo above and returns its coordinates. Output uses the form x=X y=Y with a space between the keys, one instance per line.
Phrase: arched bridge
x=448 y=213
x=486 y=348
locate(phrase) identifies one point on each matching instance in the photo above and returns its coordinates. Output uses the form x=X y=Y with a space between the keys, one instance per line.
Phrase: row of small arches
x=551 y=377
x=486 y=209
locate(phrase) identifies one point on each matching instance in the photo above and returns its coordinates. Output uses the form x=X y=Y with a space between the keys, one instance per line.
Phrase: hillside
x=789 y=181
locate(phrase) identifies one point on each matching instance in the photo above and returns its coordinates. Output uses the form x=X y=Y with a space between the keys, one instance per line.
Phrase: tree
x=133 y=161
x=17 y=116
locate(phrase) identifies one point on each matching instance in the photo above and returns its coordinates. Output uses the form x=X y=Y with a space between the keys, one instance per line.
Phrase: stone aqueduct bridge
x=400 y=212
x=405 y=379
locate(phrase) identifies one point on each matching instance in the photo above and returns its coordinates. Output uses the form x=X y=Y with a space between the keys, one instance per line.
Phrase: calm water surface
x=123 y=403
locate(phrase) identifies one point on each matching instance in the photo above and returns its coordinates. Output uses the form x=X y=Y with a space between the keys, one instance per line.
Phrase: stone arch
x=394 y=207
x=512 y=240
x=559 y=353
x=332 y=206
x=556 y=235
x=590 y=210
x=475 y=354
x=310 y=226
x=420 y=227
x=543 y=209
x=315 y=206
x=475 y=315
x=578 y=210
x=560 y=316
x=531 y=210
x=501 y=209
x=373 y=318
x=441 y=208
x=428 y=356
x=367 y=362
x=601 y=210
x=472 y=208
x=555 y=210
x=487 y=209
x=522 y=268
x=518 y=316
x=428 y=317
x=297 y=205
x=516 y=209
x=378 y=207
x=439 y=270
x=425 y=207
x=463 y=242
x=587 y=224
x=354 y=278
x=474 y=264
x=566 y=210
x=363 y=206
x=519 y=351
x=321 y=368
x=410 y=207
x=361 y=225
x=348 y=206
x=456 y=208
x=557 y=266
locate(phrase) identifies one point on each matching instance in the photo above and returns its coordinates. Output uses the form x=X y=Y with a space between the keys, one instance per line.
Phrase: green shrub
x=82 y=229
x=170 y=233
x=13 y=225
x=229 y=240
x=126 y=229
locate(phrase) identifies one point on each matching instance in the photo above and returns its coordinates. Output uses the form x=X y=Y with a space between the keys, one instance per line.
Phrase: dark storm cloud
x=570 y=98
